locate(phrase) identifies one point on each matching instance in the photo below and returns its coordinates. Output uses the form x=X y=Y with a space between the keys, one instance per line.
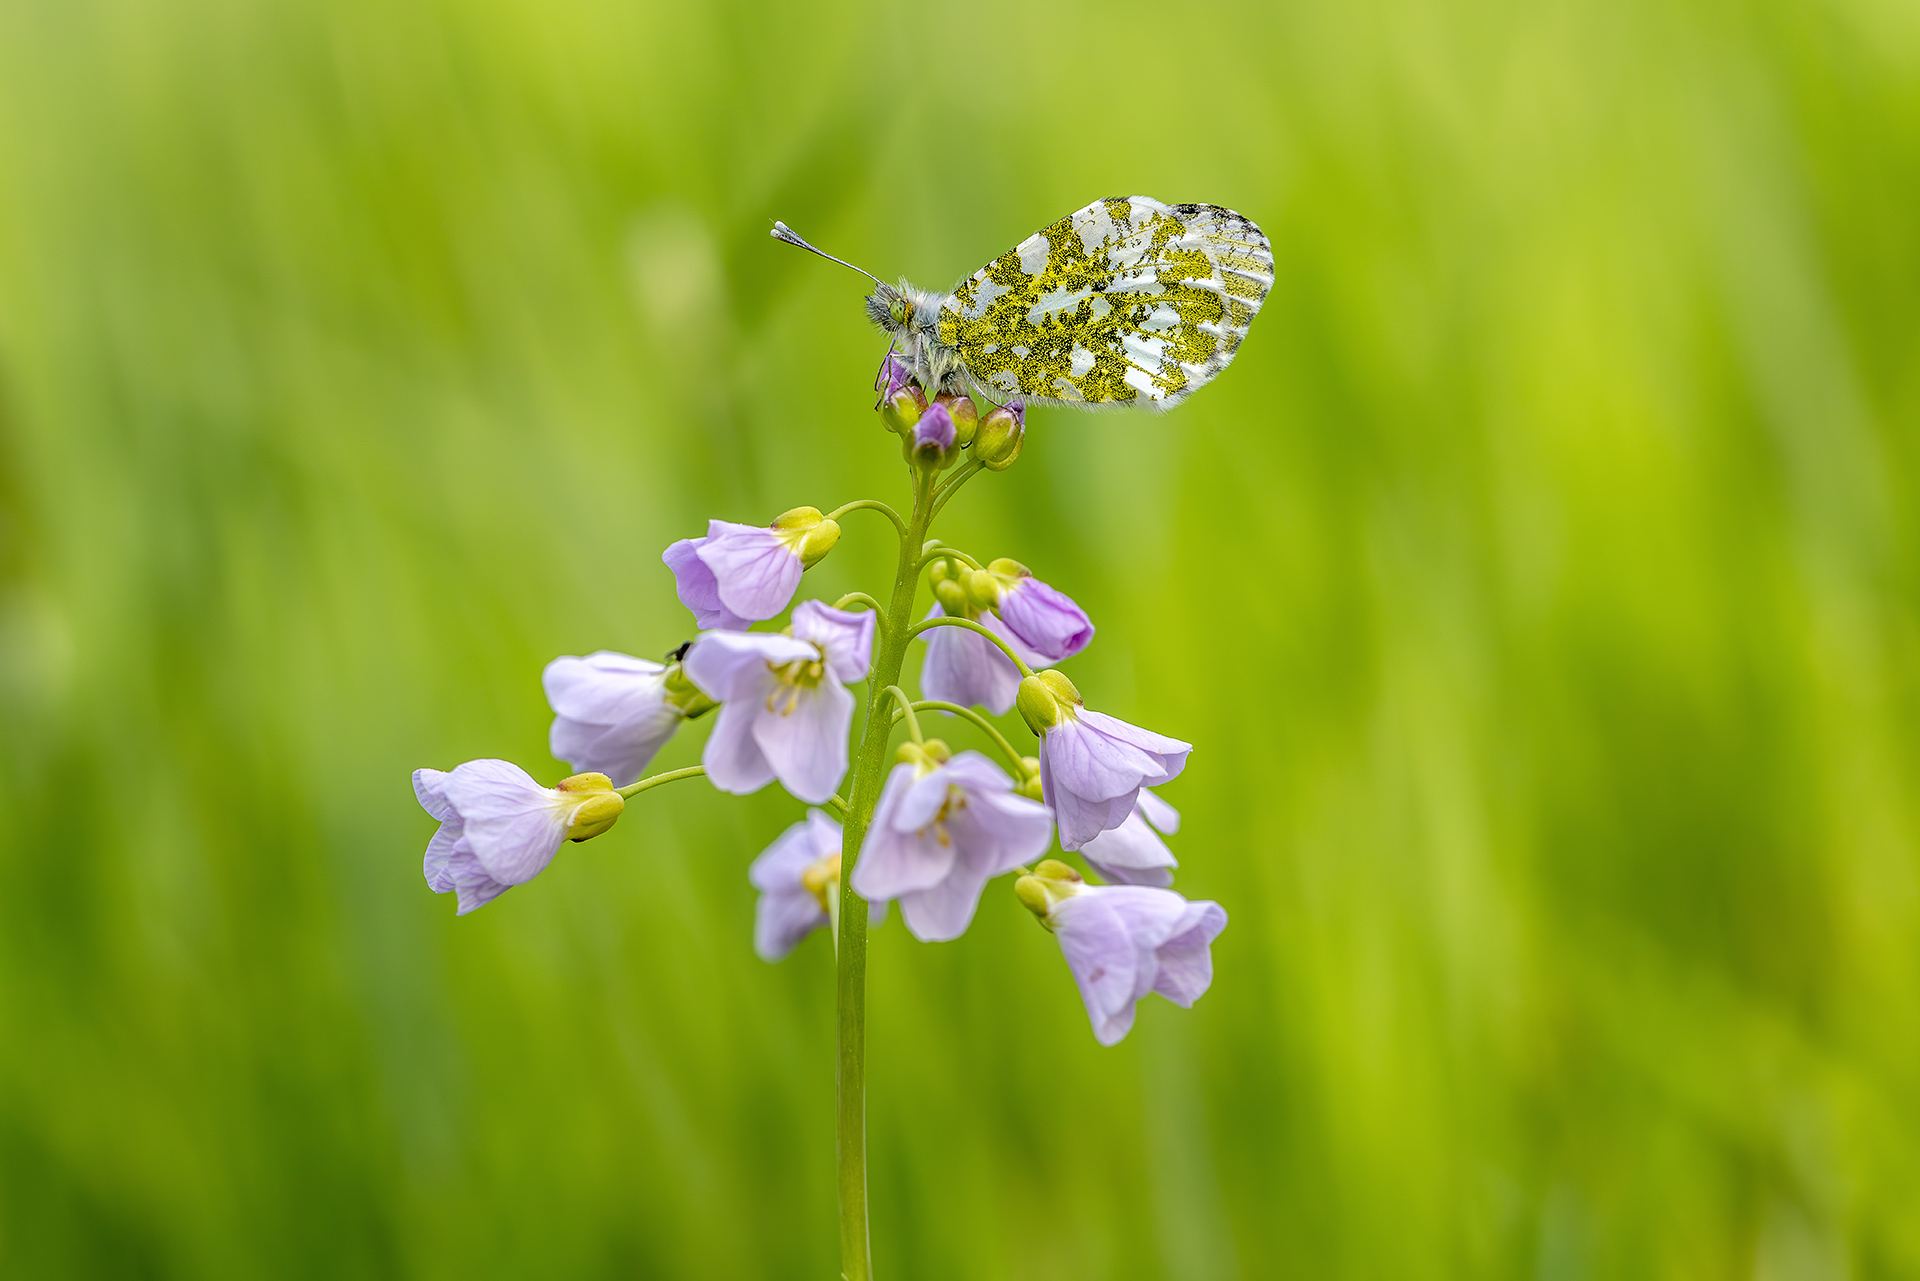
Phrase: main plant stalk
x=869 y=773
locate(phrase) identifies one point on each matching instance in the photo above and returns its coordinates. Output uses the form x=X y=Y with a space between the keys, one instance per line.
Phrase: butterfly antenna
x=783 y=232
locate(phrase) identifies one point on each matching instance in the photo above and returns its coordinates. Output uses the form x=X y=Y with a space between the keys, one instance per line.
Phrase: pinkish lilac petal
x=1122 y=942
x=966 y=668
x=732 y=756
x=894 y=377
x=845 y=637
x=1157 y=812
x=513 y=825
x=805 y=739
x=1186 y=959
x=787 y=910
x=1133 y=853
x=894 y=862
x=1092 y=767
x=727 y=666
x=756 y=568
x=1102 y=957
x=698 y=589
x=611 y=713
x=1045 y=619
x=939 y=836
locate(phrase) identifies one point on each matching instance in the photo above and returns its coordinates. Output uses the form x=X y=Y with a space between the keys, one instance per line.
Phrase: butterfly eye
x=897 y=308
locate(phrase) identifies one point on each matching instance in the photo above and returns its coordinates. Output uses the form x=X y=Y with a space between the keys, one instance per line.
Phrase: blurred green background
x=1539 y=588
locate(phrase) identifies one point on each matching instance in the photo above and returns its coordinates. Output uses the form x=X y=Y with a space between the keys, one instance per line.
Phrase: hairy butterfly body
x=1125 y=303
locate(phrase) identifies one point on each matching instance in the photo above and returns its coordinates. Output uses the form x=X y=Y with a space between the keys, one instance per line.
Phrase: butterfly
x=1125 y=303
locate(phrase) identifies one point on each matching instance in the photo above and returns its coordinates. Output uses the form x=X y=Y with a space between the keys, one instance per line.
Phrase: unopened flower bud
x=902 y=410
x=1001 y=435
x=685 y=695
x=928 y=755
x=1029 y=784
x=983 y=588
x=932 y=440
x=809 y=533
x=1049 y=883
x=966 y=416
x=1045 y=699
x=598 y=812
x=953 y=599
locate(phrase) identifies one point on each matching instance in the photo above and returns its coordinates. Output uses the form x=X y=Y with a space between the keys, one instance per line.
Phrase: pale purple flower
x=792 y=875
x=1092 y=765
x=1124 y=941
x=941 y=831
x=1044 y=619
x=499 y=828
x=784 y=708
x=965 y=667
x=1133 y=853
x=611 y=713
x=739 y=574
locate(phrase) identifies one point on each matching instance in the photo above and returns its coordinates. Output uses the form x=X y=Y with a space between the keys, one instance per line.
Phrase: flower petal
x=430 y=787
x=729 y=666
x=782 y=919
x=845 y=637
x=895 y=862
x=1157 y=812
x=1132 y=853
x=732 y=756
x=756 y=568
x=698 y=589
x=1045 y=619
x=968 y=669
x=806 y=741
x=1186 y=959
x=1102 y=957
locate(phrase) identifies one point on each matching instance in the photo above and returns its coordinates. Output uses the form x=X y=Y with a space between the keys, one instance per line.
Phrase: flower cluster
x=936 y=828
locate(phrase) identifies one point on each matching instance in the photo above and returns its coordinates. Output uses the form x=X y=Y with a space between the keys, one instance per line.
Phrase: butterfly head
x=887 y=307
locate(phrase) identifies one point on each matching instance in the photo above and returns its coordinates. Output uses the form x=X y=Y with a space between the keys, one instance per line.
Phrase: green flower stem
x=927 y=624
x=939 y=551
x=980 y=722
x=871 y=505
x=850 y=1012
x=671 y=776
x=904 y=708
x=952 y=486
x=861 y=598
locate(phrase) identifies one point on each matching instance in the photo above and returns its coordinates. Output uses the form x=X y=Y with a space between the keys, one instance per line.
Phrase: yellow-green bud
x=809 y=533
x=983 y=588
x=1045 y=699
x=966 y=417
x=953 y=599
x=901 y=412
x=685 y=695
x=1047 y=885
x=1029 y=785
x=599 y=811
x=928 y=755
x=1001 y=435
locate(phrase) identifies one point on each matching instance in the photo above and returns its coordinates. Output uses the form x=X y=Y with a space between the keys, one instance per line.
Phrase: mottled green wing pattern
x=1126 y=302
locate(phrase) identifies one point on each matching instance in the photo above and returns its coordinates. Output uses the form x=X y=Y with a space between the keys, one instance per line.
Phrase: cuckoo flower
x=612 y=712
x=739 y=574
x=794 y=876
x=1042 y=618
x=966 y=668
x=797 y=877
x=943 y=828
x=1133 y=853
x=1124 y=941
x=499 y=828
x=1092 y=765
x=784 y=707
